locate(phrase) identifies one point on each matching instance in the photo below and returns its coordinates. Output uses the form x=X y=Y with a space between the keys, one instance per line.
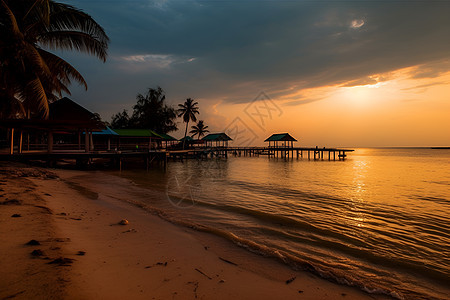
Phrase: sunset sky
x=332 y=73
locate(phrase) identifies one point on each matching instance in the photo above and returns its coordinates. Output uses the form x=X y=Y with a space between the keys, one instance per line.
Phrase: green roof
x=217 y=137
x=137 y=133
x=280 y=137
x=167 y=137
x=188 y=139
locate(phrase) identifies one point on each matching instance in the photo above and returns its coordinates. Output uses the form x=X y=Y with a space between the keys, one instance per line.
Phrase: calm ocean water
x=379 y=220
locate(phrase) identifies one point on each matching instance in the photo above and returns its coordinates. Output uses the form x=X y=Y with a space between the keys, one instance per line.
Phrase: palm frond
x=38 y=64
x=35 y=96
x=62 y=69
x=67 y=17
x=14 y=27
x=42 y=9
x=74 y=40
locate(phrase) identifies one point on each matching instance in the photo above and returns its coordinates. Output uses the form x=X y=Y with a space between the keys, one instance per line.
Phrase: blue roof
x=107 y=131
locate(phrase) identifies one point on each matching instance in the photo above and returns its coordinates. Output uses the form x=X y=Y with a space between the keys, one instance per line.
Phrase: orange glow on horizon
x=392 y=109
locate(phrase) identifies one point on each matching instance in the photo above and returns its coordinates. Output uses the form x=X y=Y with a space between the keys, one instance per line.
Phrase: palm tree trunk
x=185 y=133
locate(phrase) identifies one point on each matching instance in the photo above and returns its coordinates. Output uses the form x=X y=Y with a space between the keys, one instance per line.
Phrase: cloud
x=425 y=86
x=232 y=50
x=357 y=23
x=301 y=102
x=139 y=62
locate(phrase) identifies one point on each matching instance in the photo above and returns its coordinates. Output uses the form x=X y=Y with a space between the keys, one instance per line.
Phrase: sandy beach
x=83 y=252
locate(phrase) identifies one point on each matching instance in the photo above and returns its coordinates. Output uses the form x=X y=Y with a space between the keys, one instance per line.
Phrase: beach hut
x=188 y=141
x=60 y=132
x=137 y=139
x=217 y=140
x=281 y=140
x=103 y=138
x=168 y=140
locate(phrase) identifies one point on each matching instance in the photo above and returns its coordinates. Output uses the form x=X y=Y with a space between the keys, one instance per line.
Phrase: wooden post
x=11 y=149
x=20 y=141
x=79 y=140
x=109 y=144
x=86 y=140
x=50 y=142
x=91 y=141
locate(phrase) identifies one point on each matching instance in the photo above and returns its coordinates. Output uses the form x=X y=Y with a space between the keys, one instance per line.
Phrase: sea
x=378 y=221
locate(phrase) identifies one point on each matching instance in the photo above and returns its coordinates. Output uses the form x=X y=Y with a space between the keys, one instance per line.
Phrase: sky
x=331 y=73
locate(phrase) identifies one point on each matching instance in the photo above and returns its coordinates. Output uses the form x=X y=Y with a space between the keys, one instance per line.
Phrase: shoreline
x=149 y=257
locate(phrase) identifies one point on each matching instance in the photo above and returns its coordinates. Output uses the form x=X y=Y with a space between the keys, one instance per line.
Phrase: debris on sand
x=157 y=264
x=37 y=252
x=62 y=261
x=16 y=216
x=123 y=222
x=203 y=274
x=227 y=261
x=81 y=253
x=33 y=243
x=11 y=202
x=45 y=208
x=58 y=240
x=290 y=280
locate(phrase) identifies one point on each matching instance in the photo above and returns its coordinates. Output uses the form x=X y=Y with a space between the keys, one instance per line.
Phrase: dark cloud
x=302 y=102
x=231 y=50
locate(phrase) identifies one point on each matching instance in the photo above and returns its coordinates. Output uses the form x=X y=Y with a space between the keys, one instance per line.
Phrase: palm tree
x=151 y=111
x=30 y=76
x=187 y=110
x=200 y=129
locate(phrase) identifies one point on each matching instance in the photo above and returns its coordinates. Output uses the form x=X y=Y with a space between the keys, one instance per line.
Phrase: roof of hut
x=137 y=133
x=280 y=137
x=107 y=131
x=167 y=137
x=64 y=114
x=217 y=137
x=187 y=138
x=67 y=110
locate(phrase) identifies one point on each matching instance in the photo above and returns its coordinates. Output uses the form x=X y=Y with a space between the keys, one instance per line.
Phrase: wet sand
x=86 y=254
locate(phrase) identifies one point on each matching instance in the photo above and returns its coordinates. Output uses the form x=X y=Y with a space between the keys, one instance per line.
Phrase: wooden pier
x=278 y=152
x=315 y=153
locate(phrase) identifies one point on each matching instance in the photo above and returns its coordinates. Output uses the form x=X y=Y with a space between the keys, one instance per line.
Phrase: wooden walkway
x=315 y=153
x=288 y=152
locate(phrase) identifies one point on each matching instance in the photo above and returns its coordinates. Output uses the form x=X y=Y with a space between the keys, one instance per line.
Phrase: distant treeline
x=152 y=112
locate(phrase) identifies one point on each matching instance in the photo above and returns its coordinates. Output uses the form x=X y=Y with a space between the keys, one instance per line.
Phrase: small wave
x=438 y=200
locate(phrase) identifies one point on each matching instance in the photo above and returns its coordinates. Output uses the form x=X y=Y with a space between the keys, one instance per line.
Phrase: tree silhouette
x=30 y=76
x=120 y=120
x=150 y=112
x=187 y=110
x=200 y=129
